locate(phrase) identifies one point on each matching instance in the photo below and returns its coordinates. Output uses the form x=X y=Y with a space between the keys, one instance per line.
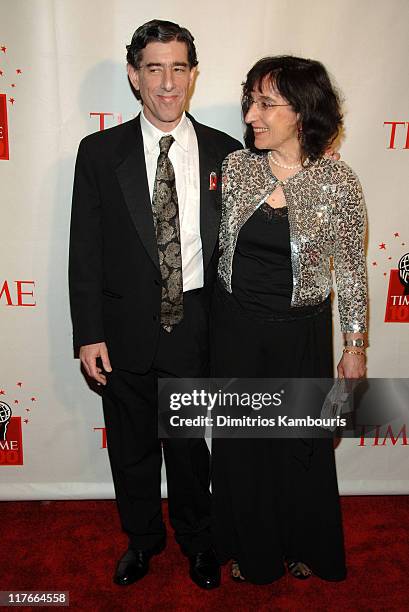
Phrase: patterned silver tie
x=166 y=217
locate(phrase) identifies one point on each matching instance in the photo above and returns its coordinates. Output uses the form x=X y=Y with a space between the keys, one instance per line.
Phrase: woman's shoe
x=235 y=572
x=298 y=569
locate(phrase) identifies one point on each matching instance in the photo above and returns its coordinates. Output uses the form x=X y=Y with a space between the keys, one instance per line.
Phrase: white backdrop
x=63 y=60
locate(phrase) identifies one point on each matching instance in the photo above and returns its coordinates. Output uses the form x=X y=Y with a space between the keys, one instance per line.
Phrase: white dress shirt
x=184 y=155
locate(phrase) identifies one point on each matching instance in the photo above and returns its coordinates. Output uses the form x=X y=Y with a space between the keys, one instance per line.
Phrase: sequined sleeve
x=349 y=226
x=225 y=187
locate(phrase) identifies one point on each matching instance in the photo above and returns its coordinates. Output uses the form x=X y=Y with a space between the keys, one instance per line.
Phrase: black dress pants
x=135 y=452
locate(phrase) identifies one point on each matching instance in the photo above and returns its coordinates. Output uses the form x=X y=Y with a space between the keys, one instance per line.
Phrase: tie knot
x=165 y=143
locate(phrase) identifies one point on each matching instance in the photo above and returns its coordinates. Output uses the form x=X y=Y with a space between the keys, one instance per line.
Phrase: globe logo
x=403 y=266
x=5 y=416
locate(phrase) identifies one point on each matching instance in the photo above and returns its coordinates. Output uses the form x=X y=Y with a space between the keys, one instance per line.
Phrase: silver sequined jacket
x=327 y=218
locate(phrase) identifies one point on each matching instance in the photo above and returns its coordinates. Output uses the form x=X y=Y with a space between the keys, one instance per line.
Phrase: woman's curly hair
x=306 y=86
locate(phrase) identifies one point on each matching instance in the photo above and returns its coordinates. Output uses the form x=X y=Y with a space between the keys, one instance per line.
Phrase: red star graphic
x=2 y=392
x=3 y=48
x=374 y=263
x=19 y=384
x=396 y=234
x=25 y=420
x=13 y=85
x=382 y=245
x=12 y=100
x=18 y=71
x=33 y=399
x=16 y=401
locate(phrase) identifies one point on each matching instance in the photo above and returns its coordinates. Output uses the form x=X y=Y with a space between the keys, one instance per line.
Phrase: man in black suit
x=143 y=255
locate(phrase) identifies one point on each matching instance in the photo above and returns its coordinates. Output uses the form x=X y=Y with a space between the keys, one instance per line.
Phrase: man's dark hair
x=306 y=86
x=159 y=31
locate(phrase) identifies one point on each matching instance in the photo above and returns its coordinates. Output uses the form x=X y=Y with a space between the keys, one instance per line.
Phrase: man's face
x=163 y=79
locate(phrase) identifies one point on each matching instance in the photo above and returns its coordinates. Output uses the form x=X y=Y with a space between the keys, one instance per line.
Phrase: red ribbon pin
x=212 y=181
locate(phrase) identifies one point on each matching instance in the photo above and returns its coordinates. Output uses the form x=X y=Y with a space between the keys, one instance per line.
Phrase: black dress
x=273 y=498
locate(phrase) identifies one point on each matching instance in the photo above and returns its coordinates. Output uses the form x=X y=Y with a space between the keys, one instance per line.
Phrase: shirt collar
x=152 y=135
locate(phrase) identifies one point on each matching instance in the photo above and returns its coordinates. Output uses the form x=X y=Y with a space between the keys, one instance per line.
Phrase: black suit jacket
x=115 y=281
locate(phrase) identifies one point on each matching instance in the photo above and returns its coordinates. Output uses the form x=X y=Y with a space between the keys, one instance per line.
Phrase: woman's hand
x=351 y=366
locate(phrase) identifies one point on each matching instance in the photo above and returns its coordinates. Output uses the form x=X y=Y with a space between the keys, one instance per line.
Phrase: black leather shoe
x=205 y=570
x=134 y=565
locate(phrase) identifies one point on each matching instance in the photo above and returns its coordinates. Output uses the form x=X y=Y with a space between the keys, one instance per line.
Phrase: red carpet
x=73 y=546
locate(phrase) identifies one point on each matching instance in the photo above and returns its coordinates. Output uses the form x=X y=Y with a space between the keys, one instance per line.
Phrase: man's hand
x=89 y=354
x=332 y=154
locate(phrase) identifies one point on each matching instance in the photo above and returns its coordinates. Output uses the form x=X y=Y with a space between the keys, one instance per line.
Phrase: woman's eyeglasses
x=263 y=104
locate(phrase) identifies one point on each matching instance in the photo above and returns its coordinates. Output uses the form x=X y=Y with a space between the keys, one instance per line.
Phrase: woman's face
x=273 y=120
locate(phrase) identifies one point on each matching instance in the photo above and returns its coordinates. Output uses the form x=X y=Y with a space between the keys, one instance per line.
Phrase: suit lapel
x=210 y=209
x=132 y=177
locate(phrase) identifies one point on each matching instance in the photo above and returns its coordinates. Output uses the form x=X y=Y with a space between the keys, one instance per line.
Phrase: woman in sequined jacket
x=288 y=211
